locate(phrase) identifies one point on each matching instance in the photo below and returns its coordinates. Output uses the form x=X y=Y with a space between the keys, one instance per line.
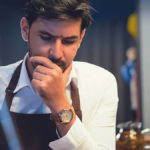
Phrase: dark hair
x=59 y=9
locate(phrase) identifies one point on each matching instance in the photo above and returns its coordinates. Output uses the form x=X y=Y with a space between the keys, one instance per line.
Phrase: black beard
x=62 y=64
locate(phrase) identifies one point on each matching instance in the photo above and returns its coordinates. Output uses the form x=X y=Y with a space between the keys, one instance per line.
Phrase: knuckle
x=43 y=86
x=54 y=74
x=37 y=68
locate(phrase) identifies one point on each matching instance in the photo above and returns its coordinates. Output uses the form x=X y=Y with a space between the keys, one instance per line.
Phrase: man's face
x=55 y=39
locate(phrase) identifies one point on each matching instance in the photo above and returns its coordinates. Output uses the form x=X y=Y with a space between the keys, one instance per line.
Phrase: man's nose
x=56 y=49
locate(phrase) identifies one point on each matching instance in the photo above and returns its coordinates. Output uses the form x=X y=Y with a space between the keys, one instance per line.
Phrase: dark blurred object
x=146 y=133
x=147 y=139
x=130 y=136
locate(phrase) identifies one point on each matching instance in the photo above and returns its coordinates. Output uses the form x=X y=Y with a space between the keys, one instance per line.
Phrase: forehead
x=58 y=27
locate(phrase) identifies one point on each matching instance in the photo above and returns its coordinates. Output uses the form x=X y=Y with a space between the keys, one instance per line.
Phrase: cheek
x=70 y=54
x=38 y=47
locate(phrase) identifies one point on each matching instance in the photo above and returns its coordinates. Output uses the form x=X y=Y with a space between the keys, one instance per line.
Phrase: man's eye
x=47 y=38
x=44 y=37
x=68 y=41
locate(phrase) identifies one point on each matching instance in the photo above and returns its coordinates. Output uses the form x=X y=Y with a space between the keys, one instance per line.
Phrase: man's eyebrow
x=46 y=33
x=54 y=36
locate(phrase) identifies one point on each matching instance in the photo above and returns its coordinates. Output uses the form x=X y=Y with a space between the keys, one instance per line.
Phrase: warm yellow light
x=132 y=25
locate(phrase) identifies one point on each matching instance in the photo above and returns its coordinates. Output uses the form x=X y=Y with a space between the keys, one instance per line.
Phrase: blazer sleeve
x=99 y=134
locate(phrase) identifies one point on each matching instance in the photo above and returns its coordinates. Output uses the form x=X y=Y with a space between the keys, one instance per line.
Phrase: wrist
x=63 y=116
x=59 y=104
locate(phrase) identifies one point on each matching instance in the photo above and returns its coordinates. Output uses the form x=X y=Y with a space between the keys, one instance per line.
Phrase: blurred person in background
x=129 y=74
x=49 y=100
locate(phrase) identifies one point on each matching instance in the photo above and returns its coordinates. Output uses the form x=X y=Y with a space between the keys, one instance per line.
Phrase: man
x=45 y=105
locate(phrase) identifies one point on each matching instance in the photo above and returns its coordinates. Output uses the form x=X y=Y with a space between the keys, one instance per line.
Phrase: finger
x=42 y=70
x=36 y=84
x=39 y=76
x=54 y=73
x=43 y=61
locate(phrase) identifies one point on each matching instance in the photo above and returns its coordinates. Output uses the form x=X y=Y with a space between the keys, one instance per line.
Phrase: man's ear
x=82 y=36
x=24 y=29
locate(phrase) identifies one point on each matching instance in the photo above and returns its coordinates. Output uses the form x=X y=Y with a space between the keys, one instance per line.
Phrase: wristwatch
x=63 y=117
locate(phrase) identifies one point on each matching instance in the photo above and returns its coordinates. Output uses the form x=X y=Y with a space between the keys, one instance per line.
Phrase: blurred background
x=118 y=40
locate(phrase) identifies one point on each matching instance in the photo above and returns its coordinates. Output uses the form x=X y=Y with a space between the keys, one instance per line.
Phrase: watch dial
x=66 y=116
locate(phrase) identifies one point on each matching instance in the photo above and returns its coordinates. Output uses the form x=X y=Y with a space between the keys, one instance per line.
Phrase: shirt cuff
x=75 y=136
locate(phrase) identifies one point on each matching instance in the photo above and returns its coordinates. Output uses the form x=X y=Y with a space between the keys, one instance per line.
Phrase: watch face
x=66 y=116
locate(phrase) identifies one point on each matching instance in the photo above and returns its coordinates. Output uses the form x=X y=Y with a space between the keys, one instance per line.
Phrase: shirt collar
x=73 y=76
x=24 y=80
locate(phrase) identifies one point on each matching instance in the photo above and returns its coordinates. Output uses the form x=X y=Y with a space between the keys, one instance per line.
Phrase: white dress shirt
x=98 y=100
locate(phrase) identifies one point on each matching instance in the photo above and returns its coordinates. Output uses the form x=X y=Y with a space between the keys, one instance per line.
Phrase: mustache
x=62 y=64
x=58 y=61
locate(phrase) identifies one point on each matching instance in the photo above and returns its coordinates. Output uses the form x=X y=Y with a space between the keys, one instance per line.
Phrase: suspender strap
x=12 y=85
x=76 y=99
